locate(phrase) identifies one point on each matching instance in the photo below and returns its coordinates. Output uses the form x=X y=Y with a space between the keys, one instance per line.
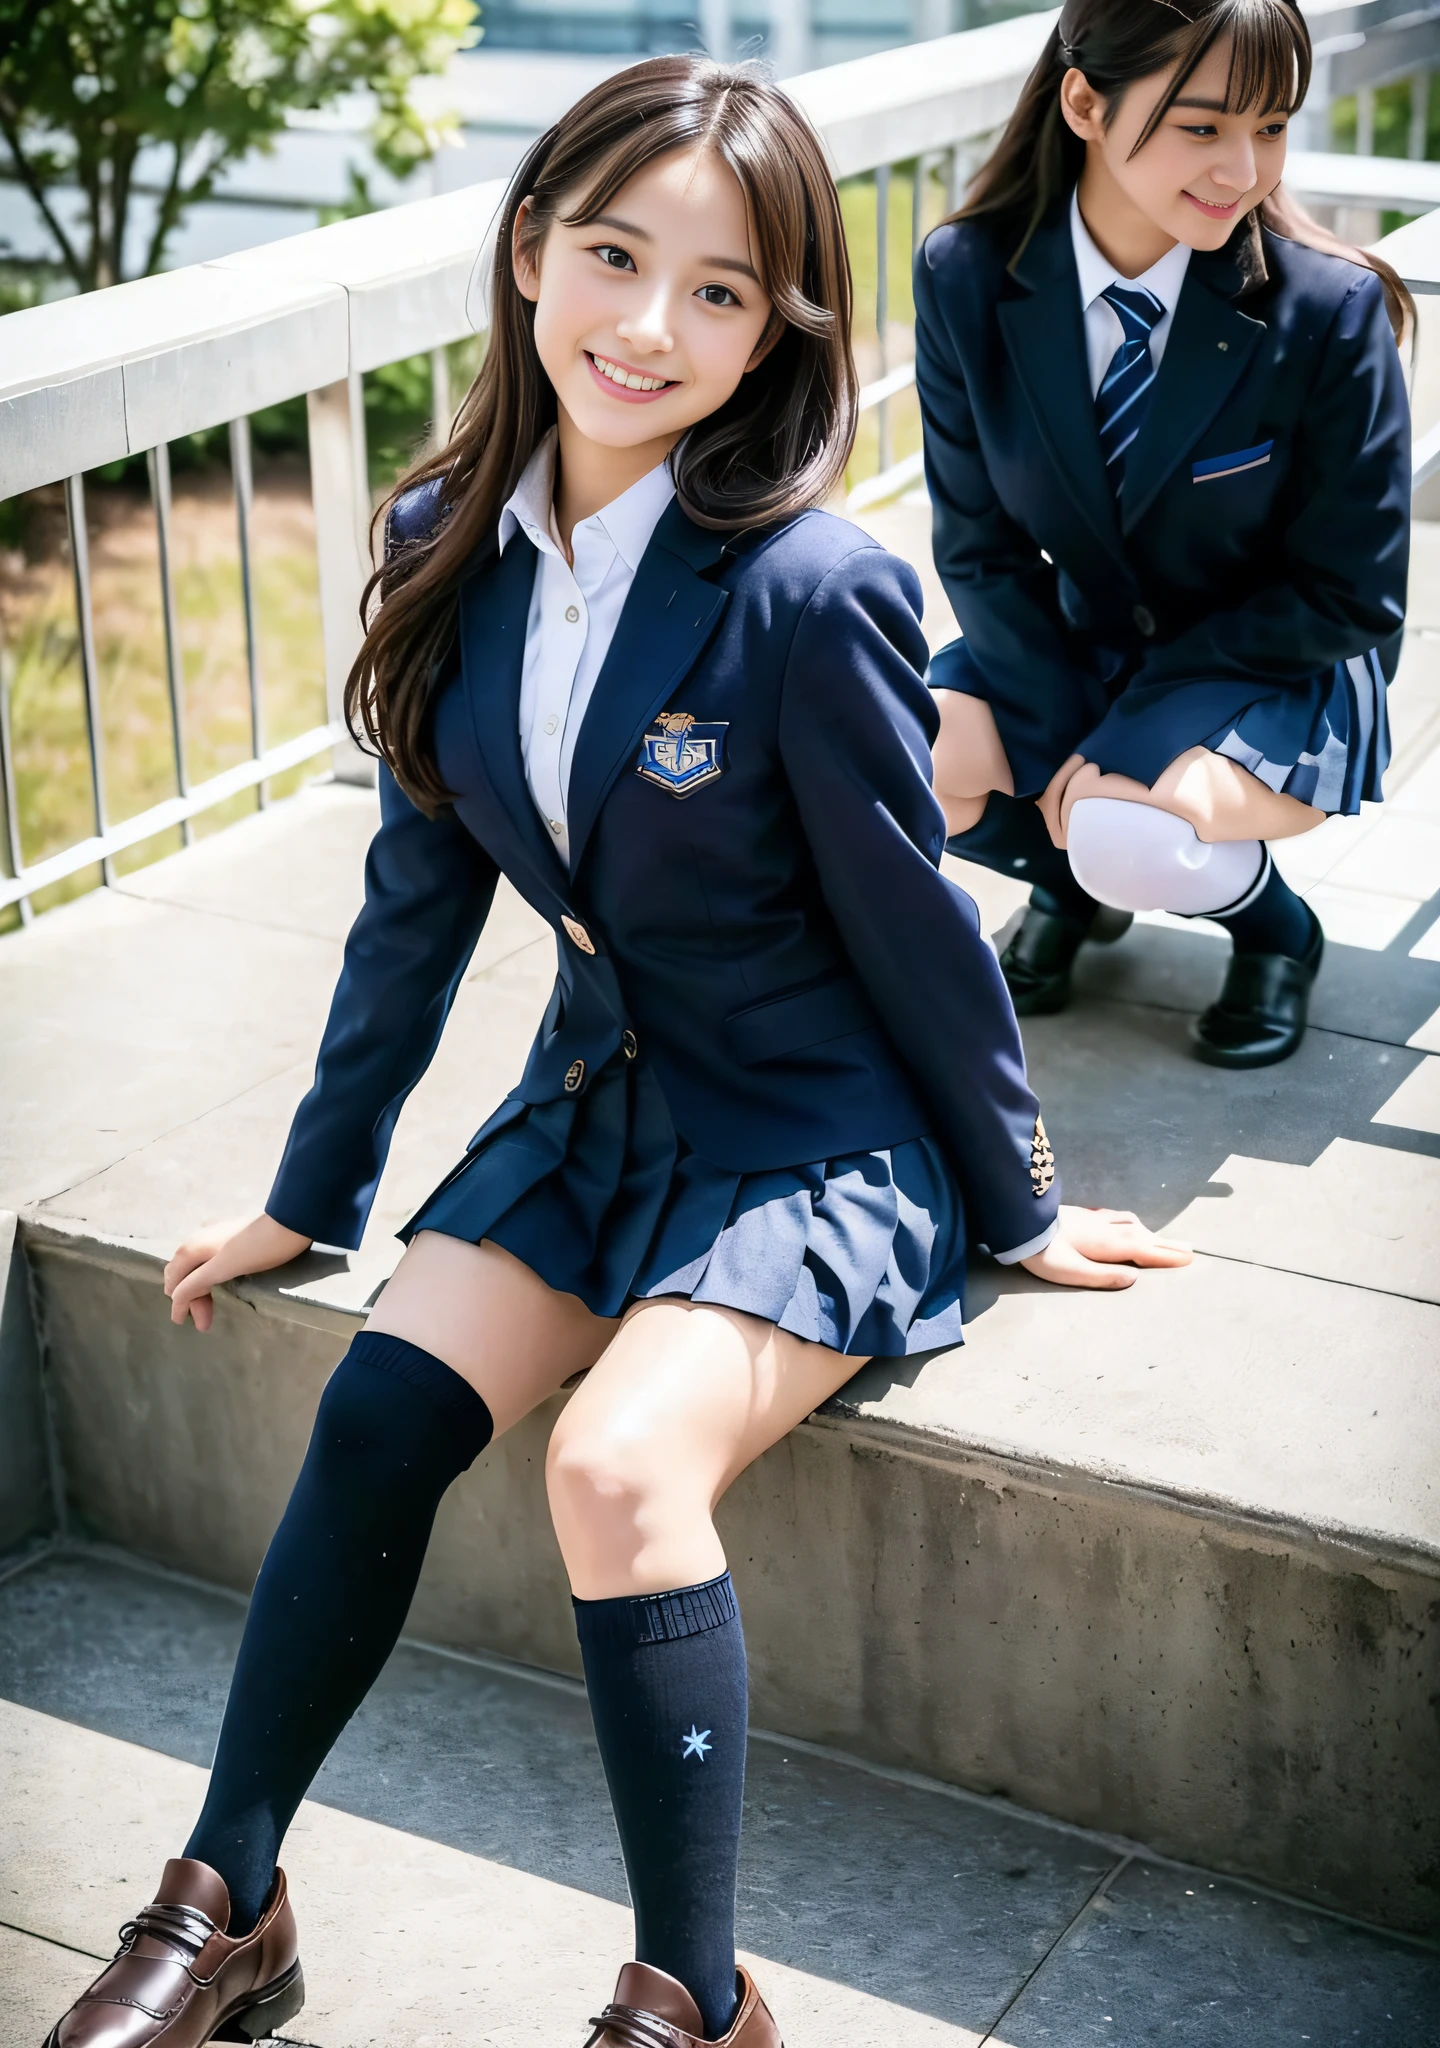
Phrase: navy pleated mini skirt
x=599 y=1195
x=1325 y=741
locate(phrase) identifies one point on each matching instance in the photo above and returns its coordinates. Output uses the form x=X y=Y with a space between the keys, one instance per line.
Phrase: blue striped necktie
x=1124 y=395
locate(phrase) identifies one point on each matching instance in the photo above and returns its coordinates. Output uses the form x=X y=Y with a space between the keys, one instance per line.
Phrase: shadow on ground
x=1137 y=1122
x=942 y=1904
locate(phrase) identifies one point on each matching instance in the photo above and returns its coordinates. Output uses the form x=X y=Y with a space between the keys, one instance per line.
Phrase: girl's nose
x=648 y=325
x=1235 y=172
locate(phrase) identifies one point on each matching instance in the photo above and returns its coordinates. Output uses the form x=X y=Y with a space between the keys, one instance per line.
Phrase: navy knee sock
x=666 y=1677
x=1062 y=896
x=394 y=1428
x=1277 y=921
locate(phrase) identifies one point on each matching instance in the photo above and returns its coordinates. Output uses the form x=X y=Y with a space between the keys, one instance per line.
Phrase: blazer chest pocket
x=1213 y=467
x=809 y=1016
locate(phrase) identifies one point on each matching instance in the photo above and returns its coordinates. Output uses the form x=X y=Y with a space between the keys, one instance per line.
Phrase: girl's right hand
x=224 y=1252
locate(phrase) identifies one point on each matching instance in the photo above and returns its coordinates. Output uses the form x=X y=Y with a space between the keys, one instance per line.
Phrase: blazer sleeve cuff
x=1028 y=1250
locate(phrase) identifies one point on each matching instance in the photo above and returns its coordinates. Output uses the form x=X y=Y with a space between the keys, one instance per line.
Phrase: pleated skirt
x=1325 y=741
x=599 y=1195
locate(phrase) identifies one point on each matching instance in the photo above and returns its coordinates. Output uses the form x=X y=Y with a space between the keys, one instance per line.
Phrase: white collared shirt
x=1103 y=332
x=573 y=616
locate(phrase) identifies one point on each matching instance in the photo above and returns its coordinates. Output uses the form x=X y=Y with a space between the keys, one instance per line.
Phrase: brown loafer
x=178 y=1980
x=651 y=2010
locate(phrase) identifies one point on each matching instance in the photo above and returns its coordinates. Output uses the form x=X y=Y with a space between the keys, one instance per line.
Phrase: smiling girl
x=620 y=657
x=1168 y=448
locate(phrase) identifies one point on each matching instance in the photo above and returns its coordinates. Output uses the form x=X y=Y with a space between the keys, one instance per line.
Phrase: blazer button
x=630 y=1045
x=574 y=1076
x=1144 y=620
x=578 y=935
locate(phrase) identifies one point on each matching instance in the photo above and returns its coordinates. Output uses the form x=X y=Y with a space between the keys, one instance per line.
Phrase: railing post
x=89 y=667
x=715 y=29
x=11 y=859
x=1419 y=116
x=158 y=463
x=341 y=496
x=882 y=305
x=242 y=476
x=440 y=406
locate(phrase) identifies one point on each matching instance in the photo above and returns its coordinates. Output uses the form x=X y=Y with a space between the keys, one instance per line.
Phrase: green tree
x=115 y=96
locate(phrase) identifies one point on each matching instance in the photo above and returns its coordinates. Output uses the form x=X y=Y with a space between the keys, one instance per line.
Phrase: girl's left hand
x=1092 y=1244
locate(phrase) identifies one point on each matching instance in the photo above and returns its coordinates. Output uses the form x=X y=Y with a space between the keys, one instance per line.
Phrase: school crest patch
x=680 y=754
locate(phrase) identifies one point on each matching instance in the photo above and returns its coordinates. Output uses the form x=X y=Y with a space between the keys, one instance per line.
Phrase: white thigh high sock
x=1135 y=857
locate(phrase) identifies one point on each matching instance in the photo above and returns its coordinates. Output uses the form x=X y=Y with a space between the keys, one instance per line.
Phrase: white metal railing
x=86 y=381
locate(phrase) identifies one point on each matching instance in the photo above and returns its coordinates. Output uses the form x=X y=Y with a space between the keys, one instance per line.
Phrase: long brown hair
x=778 y=445
x=1115 y=42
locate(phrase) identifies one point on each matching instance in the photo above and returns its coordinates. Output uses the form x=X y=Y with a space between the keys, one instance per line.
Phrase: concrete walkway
x=465 y=1886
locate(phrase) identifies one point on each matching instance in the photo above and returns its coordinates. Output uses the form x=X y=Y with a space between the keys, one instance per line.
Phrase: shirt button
x=1144 y=621
x=572 y=612
x=574 y=1076
x=555 y=825
x=629 y=1045
x=551 y=723
x=578 y=935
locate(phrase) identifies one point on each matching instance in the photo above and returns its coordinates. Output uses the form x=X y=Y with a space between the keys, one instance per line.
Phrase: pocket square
x=1215 y=466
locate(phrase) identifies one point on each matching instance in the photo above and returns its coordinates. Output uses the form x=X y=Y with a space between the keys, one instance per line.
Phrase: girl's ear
x=524 y=252
x=1082 y=106
x=774 y=328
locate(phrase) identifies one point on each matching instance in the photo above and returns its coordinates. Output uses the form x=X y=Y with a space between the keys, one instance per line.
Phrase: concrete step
x=457 y=1879
x=1163 y=1563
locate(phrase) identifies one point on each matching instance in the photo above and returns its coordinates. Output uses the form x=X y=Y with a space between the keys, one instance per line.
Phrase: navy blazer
x=775 y=934
x=1263 y=524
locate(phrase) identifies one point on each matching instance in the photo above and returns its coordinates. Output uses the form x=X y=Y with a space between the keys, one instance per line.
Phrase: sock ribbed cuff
x=444 y=1386
x=628 y=1623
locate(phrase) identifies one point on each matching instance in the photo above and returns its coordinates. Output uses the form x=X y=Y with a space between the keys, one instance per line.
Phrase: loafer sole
x=1244 y=1056
x=259 y=2018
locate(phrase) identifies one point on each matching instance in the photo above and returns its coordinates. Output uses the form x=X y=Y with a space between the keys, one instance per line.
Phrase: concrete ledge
x=1245 y=1687
x=26 y=1495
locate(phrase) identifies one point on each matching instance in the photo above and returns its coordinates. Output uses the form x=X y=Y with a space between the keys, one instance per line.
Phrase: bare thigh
x=968 y=758
x=1218 y=798
x=683 y=1399
x=489 y=1318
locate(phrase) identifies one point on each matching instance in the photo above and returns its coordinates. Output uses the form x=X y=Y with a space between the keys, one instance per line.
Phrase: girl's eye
x=1274 y=128
x=614 y=257
x=1206 y=130
x=717 y=295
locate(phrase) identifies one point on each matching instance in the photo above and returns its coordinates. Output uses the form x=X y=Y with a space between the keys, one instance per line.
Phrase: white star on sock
x=696 y=1743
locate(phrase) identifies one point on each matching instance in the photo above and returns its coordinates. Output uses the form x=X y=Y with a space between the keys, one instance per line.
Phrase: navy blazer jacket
x=778 y=939
x=1263 y=525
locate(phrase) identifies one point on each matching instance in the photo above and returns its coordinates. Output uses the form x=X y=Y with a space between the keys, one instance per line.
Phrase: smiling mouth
x=628 y=380
x=1210 y=206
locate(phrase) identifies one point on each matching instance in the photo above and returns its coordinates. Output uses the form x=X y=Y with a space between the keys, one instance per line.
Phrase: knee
x=1135 y=856
x=601 y=1476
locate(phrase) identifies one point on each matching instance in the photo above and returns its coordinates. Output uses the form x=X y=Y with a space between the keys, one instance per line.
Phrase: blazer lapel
x=669 y=614
x=494 y=611
x=1210 y=346
x=1044 y=331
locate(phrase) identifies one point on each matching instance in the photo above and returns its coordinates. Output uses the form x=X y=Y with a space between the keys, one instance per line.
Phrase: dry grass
x=40 y=641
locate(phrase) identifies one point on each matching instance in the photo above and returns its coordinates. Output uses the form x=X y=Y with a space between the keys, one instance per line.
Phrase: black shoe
x=1260 y=1017
x=1037 y=962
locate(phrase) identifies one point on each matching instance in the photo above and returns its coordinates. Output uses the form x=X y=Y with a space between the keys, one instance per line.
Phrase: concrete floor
x=466 y=1799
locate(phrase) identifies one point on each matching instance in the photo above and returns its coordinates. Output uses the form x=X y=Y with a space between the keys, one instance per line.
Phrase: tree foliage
x=120 y=97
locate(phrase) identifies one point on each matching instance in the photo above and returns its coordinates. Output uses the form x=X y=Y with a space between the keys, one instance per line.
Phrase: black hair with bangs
x=1116 y=42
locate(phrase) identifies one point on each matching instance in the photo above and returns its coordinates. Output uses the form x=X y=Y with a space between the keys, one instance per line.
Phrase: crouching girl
x=1168 y=448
